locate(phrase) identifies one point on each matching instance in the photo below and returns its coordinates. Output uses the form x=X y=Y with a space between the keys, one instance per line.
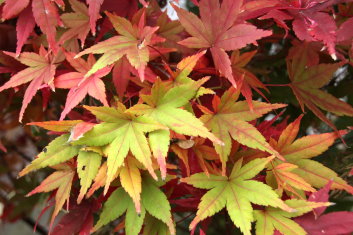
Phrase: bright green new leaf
x=230 y=120
x=58 y=151
x=236 y=193
x=123 y=132
x=163 y=105
x=272 y=218
x=154 y=202
x=87 y=169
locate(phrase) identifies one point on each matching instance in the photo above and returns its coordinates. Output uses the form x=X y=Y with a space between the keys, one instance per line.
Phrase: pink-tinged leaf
x=2 y=147
x=331 y=224
x=317 y=27
x=94 y=8
x=60 y=180
x=24 y=27
x=239 y=36
x=345 y=32
x=13 y=8
x=80 y=129
x=321 y=196
x=46 y=15
x=92 y=86
x=30 y=92
x=68 y=80
x=222 y=62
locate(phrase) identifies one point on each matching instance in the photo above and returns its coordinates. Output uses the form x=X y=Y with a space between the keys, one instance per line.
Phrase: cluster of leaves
x=166 y=118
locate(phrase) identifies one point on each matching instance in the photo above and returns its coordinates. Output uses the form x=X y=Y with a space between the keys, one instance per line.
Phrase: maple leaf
x=24 y=27
x=132 y=42
x=230 y=120
x=272 y=219
x=244 y=77
x=58 y=151
x=236 y=193
x=331 y=223
x=77 y=22
x=41 y=70
x=94 y=8
x=309 y=23
x=306 y=80
x=88 y=163
x=60 y=180
x=81 y=85
x=123 y=132
x=119 y=202
x=200 y=150
x=298 y=153
x=216 y=30
x=47 y=17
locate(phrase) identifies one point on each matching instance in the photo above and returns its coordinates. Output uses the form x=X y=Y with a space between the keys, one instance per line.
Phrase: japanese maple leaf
x=271 y=219
x=230 y=120
x=45 y=15
x=40 y=71
x=132 y=42
x=94 y=8
x=60 y=180
x=236 y=193
x=120 y=202
x=298 y=153
x=244 y=77
x=77 y=22
x=122 y=132
x=58 y=151
x=164 y=105
x=81 y=85
x=218 y=30
x=333 y=223
x=88 y=163
x=307 y=77
x=197 y=148
x=310 y=23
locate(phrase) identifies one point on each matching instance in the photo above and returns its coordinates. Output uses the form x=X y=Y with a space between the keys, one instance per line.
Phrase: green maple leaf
x=58 y=151
x=120 y=202
x=273 y=218
x=298 y=153
x=122 y=132
x=230 y=120
x=236 y=193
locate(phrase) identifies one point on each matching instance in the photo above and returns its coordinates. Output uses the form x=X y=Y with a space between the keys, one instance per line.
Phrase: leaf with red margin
x=306 y=82
x=216 y=30
x=79 y=85
x=60 y=180
x=41 y=70
x=246 y=79
x=230 y=120
x=47 y=17
x=235 y=192
x=298 y=152
x=59 y=126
